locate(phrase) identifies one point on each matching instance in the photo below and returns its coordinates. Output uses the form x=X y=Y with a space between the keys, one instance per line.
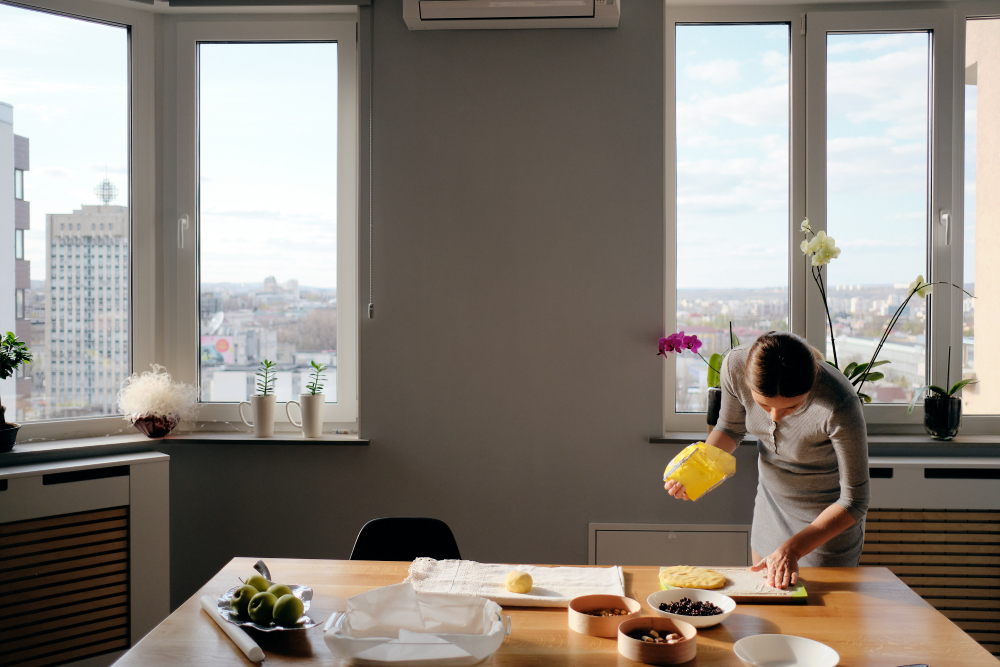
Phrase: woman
x=812 y=493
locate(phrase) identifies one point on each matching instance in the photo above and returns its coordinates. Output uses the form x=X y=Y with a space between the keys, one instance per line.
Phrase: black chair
x=405 y=538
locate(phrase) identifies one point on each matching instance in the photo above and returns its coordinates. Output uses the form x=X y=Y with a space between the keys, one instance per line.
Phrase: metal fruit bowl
x=303 y=593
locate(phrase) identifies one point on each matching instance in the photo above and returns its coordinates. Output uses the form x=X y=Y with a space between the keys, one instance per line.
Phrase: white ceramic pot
x=263 y=415
x=311 y=409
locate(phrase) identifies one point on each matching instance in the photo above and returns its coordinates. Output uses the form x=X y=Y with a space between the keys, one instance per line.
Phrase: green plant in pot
x=13 y=354
x=942 y=408
x=262 y=403
x=678 y=342
x=311 y=403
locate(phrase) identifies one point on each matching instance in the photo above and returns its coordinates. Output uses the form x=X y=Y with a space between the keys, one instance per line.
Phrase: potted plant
x=262 y=403
x=942 y=408
x=311 y=404
x=13 y=353
x=678 y=342
x=154 y=403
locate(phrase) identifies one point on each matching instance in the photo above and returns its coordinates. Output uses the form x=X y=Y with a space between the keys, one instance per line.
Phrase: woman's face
x=778 y=407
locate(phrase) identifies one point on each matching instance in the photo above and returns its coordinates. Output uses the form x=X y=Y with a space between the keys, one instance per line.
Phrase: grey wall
x=509 y=380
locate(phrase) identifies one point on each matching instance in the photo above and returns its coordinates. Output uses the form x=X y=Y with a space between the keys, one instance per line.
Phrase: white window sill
x=913 y=444
x=57 y=450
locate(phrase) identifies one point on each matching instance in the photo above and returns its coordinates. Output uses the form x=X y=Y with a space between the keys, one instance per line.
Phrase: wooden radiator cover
x=951 y=558
x=64 y=587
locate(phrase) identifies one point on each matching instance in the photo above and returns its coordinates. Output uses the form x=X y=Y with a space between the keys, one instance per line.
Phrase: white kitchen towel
x=552 y=586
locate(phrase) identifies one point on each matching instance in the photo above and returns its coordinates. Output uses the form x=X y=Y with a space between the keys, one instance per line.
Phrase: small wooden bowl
x=600 y=626
x=658 y=654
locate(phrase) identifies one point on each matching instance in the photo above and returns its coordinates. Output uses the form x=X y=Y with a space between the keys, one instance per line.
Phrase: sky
x=732 y=155
x=268 y=141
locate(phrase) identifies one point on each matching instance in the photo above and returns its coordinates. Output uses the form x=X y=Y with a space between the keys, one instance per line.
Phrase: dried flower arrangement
x=155 y=403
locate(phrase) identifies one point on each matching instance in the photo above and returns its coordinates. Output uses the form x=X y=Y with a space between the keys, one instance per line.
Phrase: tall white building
x=86 y=320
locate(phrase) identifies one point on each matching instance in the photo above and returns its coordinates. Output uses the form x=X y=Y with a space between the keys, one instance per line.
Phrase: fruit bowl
x=723 y=602
x=303 y=593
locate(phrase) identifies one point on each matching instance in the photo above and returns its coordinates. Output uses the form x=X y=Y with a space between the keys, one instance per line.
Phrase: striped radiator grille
x=951 y=558
x=64 y=587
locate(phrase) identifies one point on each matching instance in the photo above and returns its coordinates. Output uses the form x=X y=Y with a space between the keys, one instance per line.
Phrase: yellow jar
x=700 y=468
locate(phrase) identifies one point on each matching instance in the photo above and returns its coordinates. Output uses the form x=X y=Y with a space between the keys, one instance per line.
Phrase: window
x=77 y=76
x=258 y=291
x=732 y=175
x=833 y=115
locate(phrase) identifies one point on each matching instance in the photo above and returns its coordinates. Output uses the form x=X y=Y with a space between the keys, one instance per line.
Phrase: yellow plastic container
x=700 y=468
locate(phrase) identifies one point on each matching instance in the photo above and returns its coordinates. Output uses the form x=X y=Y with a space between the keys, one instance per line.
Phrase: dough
x=518 y=582
x=686 y=576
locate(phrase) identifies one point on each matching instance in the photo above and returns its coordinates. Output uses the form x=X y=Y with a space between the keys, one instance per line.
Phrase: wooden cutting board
x=746 y=587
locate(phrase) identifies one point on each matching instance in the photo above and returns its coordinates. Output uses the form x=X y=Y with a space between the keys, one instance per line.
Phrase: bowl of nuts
x=600 y=615
x=702 y=609
x=657 y=641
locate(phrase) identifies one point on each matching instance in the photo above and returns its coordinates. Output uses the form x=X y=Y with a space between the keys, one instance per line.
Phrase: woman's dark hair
x=781 y=364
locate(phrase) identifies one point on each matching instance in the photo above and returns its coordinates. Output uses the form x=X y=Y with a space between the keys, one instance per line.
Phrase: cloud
x=51 y=172
x=110 y=168
x=754 y=107
x=855 y=43
x=714 y=71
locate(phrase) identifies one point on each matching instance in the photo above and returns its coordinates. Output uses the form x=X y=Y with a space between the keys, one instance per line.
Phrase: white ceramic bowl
x=784 y=650
x=723 y=602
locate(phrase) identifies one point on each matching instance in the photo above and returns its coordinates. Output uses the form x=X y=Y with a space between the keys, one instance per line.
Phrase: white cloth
x=236 y=633
x=552 y=586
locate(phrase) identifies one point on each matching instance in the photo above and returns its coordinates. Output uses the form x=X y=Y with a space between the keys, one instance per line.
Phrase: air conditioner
x=509 y=14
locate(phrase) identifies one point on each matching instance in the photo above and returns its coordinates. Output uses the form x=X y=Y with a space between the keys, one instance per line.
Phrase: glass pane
x=877 y=201
x=65 y=84
x=732 y=177
x=981 y=316
x=268 y=226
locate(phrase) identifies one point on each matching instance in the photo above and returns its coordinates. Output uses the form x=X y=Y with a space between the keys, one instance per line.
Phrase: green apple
x=258 y=582
x=287 y=610
x=261 y=606
x=277 y=590
x=241 y=600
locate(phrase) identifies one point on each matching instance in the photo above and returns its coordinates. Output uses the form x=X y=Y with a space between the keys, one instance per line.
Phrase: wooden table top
x=866 y=614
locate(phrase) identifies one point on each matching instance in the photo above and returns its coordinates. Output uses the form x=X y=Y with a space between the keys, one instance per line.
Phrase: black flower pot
x=942 y=416
x=714 y=405
x=8 y=436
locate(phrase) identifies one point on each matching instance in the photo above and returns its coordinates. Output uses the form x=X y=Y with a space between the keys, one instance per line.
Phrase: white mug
x=311 y=409
x=263 y=415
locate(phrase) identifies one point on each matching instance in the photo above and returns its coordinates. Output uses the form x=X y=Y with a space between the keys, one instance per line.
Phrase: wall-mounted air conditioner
x=509 y=14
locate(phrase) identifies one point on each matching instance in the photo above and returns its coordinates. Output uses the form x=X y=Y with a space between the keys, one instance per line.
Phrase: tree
x=13 y=353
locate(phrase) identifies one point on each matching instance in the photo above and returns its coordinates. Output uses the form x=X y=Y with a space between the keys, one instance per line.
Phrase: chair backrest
x=405 y=538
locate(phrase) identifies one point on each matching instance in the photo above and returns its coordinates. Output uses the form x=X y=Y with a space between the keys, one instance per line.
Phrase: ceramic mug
x=263 y=415
x=311 y=409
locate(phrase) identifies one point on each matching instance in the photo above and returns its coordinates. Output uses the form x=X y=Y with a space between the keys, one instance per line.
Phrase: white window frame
x=182 y=352
x=807 y=178
x=142 y=200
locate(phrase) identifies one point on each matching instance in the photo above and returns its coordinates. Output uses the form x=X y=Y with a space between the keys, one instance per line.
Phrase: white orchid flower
x=826 y=250
x=805 y=248
x=920 y=287
x=805 y=226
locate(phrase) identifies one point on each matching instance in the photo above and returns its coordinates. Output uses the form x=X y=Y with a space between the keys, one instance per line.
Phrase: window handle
x=946 y=221
x=182 y=224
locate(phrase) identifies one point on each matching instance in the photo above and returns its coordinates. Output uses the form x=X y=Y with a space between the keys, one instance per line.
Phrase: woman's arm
x=783 y=564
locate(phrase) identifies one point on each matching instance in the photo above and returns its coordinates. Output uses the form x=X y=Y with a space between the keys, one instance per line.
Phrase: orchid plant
x=678 y=342
x=822 y=248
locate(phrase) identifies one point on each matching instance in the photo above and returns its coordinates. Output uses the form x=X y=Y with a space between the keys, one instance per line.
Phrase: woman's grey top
x=811 y=459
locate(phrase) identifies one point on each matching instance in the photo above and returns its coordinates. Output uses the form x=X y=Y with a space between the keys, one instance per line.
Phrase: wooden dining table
x=866 y=614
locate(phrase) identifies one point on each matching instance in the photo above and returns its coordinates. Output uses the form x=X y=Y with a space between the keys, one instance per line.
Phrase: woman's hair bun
x=781 y=364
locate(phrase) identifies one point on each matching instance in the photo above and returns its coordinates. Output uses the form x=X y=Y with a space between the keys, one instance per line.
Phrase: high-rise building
x=15 y=276
x=86 y=321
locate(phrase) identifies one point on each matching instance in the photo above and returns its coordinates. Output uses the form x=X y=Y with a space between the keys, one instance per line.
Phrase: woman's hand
x=782 y=567
x=676 y=489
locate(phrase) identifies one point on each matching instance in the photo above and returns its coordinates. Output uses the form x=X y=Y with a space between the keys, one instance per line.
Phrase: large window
x=732 y=190
x=67 y=83
x=267 y=167
x=842 y=117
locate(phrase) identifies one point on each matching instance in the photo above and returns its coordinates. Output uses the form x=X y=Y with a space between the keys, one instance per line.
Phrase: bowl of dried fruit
x=600 y=615
x=702 y=609
x=657 y=641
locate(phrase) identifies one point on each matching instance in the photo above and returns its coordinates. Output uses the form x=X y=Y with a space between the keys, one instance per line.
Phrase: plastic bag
x=700 y=468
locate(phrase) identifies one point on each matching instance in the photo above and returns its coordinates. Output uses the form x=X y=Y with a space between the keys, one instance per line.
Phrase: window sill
x=914 y=444
x=76 y=448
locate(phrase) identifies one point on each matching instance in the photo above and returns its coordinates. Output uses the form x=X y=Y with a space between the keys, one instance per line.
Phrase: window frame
x=141 y=198
x=18 y=184
x=18 y=244
x=946 y=173
x=182 y=353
